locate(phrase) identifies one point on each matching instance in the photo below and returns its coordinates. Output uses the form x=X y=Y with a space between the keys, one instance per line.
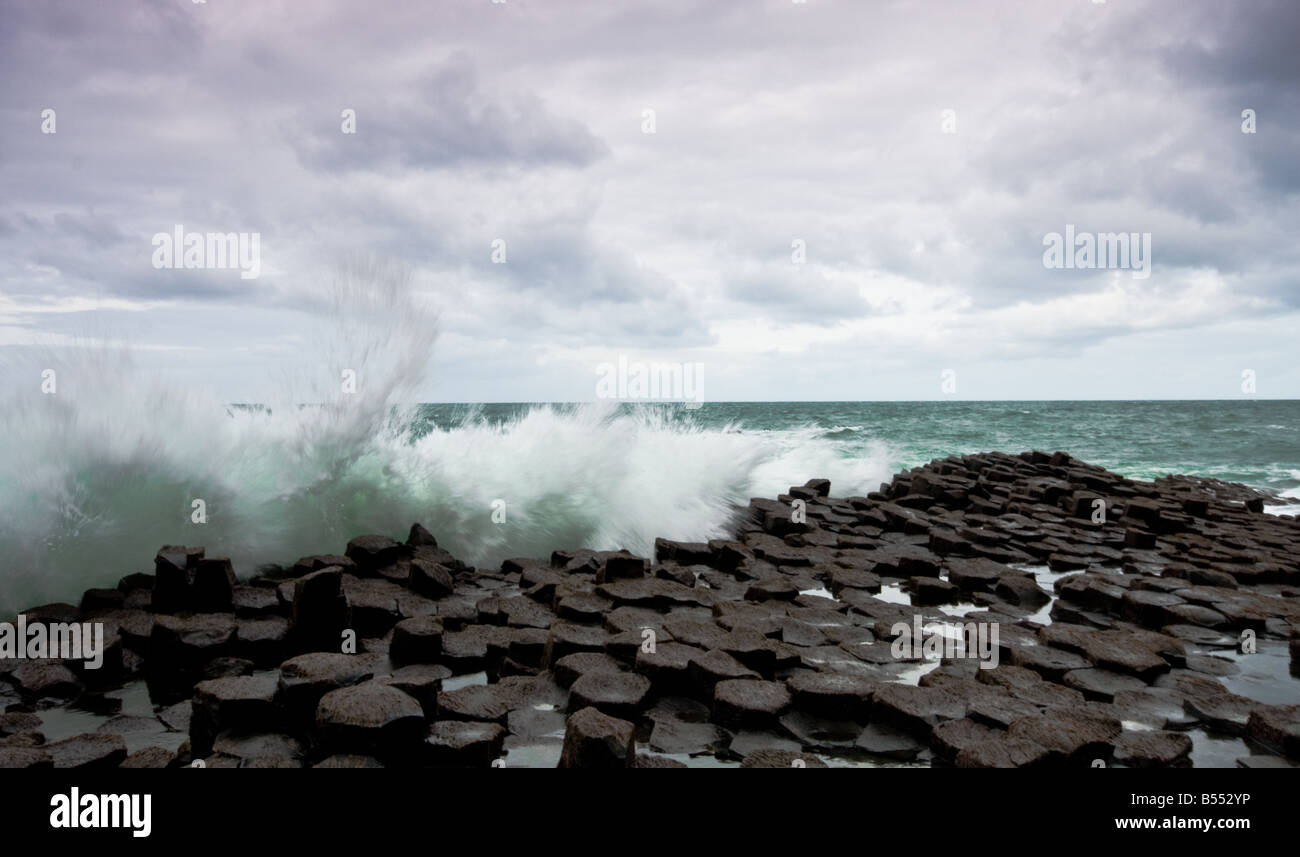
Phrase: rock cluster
x=770 y=648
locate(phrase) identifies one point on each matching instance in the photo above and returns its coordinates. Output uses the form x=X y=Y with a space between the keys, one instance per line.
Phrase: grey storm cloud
x=521 y=122
x=447 y=121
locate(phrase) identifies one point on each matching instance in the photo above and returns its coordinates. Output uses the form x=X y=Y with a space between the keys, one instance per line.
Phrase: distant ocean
x=87 y=495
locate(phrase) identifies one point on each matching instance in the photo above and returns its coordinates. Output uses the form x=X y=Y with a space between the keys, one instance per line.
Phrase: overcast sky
x=774 y=122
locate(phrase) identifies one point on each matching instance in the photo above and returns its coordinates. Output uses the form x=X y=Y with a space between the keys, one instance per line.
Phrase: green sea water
x=1256 y=442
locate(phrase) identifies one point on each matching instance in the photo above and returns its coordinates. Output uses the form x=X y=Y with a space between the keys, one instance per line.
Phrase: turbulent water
x=94 y=478
x=86 y=497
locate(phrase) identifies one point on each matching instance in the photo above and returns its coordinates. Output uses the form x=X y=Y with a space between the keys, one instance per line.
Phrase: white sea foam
x=94 y=478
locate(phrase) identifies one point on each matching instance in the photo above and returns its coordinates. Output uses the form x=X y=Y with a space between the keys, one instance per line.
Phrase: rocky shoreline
x=1126 y=614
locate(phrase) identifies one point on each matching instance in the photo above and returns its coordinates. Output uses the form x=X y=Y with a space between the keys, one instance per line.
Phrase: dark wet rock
x=264 y=642
x=1264 y=762
x=15 y=723
x=772 y=588
x=932 y=590
x=1101 y=685
x=1154 y=707
x=371 y=719
x=1097 y=592
x=24 y=739
x=668 y=667
x=1127 y=652
x=1050 y=662
x=180 y=646
x=953 y=736
x=708 y=669
x=226 y=667
x=305 y=679
x=581 y=607
x=1003 y=750
x=139 y=581
x=1212 y=703
x=527 y=646
x=320 y=612
x=752 y=649
x=915 y=710
x=1068 y=737
x=1196 y=614
x=1276 y=727
x=420 y=537
x=520 y=612
x=92 y=750
x=422 y=682
x=349 y=760
x=671 y=735
x=837 y=696
x=373 y=604
x=242 y=703
x=254 y=602
x=1021 y=590
x=702 y=633
x=213 y=588
x=814 y=732
x=99 y=600
x=768 y=758
x=1001 y=709
x=431 y=579
x=745 y=742
x=728 y=555
x=1211 y=665
x=258 y=746
x=618 y=694
x=461 y=743
x=465 y=651
x=749 y=703
x=25 y=757
x=149 y=757
x=177 y=717
x=1150 y=609
x=685 y=553
x=46 y=679
x=134 y=626
x=797 y=633
x=491 y=703
x=417 y=640
x=570 y=668
x=622 y=619
x=1153 y=750
x=596 y=740
x=567 y=638
x=647 y=760
x=652 y=592
x=308 y=564
x=880 y=740
x=174 y=567
x=620 y=565
x=839 y=579
x=372 y=552
x=410 y=605
x=627 y=646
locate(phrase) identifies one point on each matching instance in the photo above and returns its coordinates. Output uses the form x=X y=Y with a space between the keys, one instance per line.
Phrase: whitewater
x=96 y=476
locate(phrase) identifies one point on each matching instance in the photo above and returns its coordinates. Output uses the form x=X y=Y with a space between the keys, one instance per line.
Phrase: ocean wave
x=94 y=478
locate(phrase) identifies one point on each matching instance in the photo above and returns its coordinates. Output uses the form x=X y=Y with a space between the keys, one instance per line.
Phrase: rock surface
x=776 y=646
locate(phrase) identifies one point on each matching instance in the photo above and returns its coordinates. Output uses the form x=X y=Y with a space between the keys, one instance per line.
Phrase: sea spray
x=97 y=476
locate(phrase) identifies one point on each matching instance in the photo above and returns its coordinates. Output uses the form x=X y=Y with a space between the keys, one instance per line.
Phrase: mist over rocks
x=1125 y=609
